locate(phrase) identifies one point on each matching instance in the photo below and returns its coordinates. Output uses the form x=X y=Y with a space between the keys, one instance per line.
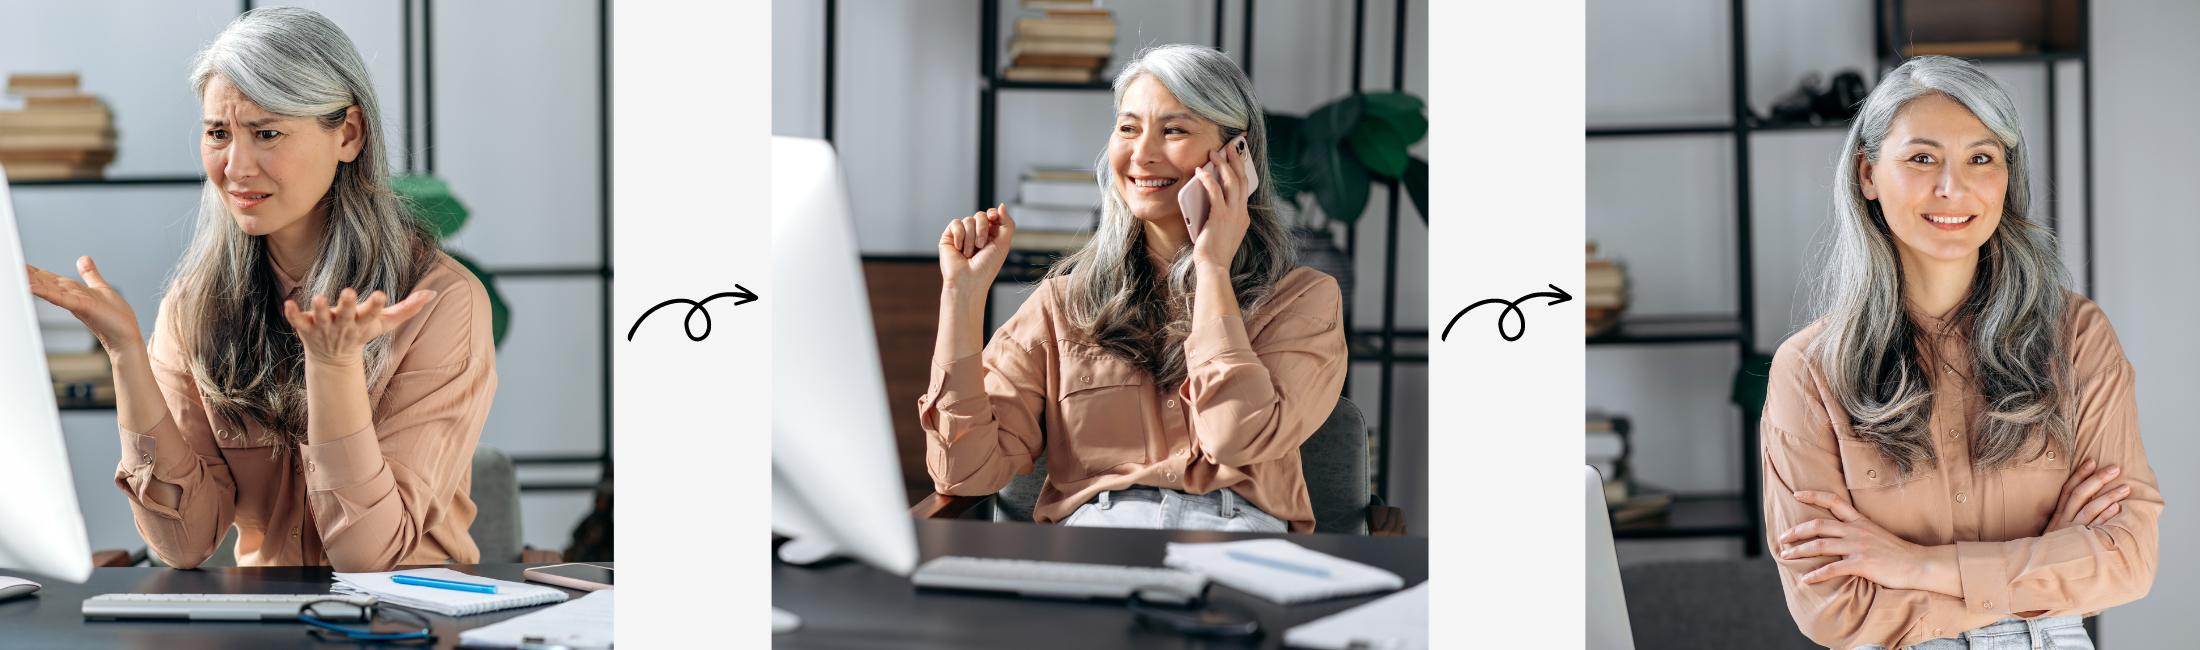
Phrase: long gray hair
x=245 y=358
x=2012 y=312
x=1110 y=290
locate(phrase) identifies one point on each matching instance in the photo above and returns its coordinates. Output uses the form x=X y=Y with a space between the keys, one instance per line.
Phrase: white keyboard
x=1061 y=579
x=222 y=607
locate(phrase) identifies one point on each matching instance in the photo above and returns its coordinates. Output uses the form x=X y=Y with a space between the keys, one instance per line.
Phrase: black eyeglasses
x=382 y=623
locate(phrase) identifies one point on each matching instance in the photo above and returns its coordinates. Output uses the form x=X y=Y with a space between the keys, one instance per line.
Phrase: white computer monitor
x=1606 y=614
x=41 y=527
x=836 y=478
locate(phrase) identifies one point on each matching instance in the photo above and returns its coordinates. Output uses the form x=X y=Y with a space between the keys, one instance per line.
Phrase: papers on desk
x=1395 y=622
x=445 y=601
x=583 y=622
x=1280 y=571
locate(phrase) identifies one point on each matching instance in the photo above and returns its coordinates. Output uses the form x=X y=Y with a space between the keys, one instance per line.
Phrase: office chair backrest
x=1334 y=460
x=496 y=528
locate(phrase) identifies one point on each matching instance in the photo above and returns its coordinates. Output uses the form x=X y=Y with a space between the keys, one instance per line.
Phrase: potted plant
x=431 y=198
x=1334 y=155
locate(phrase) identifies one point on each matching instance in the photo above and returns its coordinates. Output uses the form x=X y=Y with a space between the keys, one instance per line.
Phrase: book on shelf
x=1051 y=218
x=1059 y=5
x=56 y=119
x=27 y=84
x=49 y=171
x=57 y=102
x=43 y=140
x=79 y=367
x=1040 y=74
x=1069 y=188
x=85 y=393
x=1082 y=61
x=1061 y=242
x=1641 y=507
x=1970 y=48
x=1089 y=27
x=1027 y=46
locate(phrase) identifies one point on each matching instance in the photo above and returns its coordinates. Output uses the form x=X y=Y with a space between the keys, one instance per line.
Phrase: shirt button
x=1871 y=473
x=309 y=466
x=1169 y=475
x=1989 y=604
x=1085 y=379
x=146 y=457
x=1170 y=403
x=293 y=531
x=1962 y=497
x=2050 y=455
x=1187 y=451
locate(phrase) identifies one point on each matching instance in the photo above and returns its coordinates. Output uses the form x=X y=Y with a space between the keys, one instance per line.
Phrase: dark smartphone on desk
x=585 y=577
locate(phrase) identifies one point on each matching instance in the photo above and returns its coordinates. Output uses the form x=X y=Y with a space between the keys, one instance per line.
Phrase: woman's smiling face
x=273 y=170
x=1157 y=144
x=1941 y=180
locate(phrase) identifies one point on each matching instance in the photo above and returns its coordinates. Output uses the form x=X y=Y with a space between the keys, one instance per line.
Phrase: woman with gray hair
x=1951 y=452
x=286 y=390
x=1167 y=374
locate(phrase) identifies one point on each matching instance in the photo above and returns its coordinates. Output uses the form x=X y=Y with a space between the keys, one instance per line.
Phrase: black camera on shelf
x=1816 y=102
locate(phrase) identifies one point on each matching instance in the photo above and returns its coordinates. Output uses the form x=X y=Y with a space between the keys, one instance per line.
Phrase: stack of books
x=1607 y=449
x=59 y=133
x=1604 y=296
x=1071 y=43
x=1055 y=210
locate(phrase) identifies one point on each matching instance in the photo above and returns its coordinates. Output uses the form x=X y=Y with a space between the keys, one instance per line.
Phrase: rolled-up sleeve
x=181 y=494
x=1800 y=453
x=377 y=493
x=2082 y=569
x=1255 y=399
x=981 y=413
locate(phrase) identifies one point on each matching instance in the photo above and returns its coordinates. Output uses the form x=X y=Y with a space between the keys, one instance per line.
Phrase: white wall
x=1665 y=207
x=515 y=136
x=907 y=127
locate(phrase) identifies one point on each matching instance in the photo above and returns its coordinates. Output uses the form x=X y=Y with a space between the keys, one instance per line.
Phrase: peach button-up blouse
x=395 y=492
x=1996 y=517
x=1251 y=396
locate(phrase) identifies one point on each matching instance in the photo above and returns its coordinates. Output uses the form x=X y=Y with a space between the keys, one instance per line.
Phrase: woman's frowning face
x=273 y=170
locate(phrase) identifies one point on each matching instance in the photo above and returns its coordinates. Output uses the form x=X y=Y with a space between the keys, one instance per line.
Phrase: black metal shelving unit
x=422 y=159
x=1738 y=514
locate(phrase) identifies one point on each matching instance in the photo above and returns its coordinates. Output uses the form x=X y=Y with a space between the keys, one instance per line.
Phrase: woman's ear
x=354 y=137
x=1864 y=178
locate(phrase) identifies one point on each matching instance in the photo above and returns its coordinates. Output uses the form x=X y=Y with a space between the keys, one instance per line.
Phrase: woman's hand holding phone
x=972 y=249
x=92 y=301
x=1228 y=189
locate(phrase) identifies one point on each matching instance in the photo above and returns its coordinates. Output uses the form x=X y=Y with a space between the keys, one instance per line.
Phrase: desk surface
x=54 y=617
x=851 y=605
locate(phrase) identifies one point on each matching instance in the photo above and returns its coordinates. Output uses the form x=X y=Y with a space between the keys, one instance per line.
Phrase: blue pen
x=1270 y=562
x=452 y=585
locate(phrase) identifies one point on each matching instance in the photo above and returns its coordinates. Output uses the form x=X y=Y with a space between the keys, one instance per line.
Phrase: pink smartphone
x=585 y=577
x=1192 y=200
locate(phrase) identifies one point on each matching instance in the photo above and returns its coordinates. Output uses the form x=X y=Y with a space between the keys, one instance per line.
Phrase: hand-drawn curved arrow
x=695 y=307
x=1512 y=308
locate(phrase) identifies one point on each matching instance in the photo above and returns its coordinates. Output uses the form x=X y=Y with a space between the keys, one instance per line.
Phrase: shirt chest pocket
x=1103 y=414
x=1877 y=484
x=2032 y=486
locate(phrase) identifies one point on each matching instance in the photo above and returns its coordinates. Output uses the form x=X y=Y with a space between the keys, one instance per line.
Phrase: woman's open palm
x=92 y=301
x=336 y=333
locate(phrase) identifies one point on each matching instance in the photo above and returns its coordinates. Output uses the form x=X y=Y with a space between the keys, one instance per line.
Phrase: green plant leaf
x=1329 y=125
x=1378 y=146
x=432 y=200
x=500 y=316
x=1341 y=184
x=1284 y=169
x=1416 y=182
x=1402 y=112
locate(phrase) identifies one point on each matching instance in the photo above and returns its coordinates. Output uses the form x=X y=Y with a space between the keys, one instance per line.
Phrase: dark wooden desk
x=54 y=617
x=851 y=605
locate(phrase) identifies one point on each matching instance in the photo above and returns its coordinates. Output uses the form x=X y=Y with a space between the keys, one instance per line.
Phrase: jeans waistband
x=1226 y=501
x=2020 y=626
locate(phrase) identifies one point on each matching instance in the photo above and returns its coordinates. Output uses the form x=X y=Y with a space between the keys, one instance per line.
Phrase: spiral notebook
x=445 y=601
